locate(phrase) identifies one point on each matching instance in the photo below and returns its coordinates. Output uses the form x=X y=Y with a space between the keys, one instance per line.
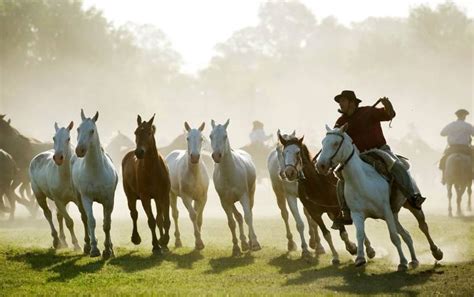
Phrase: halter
x=337 y=151
x=300 y=174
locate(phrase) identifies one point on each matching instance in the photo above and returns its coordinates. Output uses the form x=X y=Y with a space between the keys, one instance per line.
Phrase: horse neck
x=152 y=153
x=95 y=154
x=316 y=184
x=353 y=172
x=227 y=162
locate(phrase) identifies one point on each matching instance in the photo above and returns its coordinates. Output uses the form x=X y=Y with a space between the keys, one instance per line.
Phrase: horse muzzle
x=291 y=173
x=217 y=157
x=322 y=168
x=81 y=152
x=58 y=159
x=140 y=153
x=195 y=158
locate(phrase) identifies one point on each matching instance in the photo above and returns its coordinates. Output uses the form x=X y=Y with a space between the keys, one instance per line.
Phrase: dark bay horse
x=317 y=192
x=145 y=177
x=7 y=175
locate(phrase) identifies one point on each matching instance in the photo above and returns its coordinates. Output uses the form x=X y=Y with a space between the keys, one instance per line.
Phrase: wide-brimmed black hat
x=461 y=112
x=347 y=94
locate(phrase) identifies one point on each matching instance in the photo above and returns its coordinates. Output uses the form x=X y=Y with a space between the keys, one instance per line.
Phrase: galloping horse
x=7 y=175
x=95 y=179
x=50 y=174
x=459 y=174
x=367 y=194
x=118 y=146
x=317 y=192
x=145 y=177
x=287 y=192
x=234 y=180
x=190 y=181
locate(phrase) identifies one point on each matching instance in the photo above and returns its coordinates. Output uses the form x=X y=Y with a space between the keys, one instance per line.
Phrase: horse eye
x=69 y=139
x=187 y=138
x=54 y=138
x=92 y=132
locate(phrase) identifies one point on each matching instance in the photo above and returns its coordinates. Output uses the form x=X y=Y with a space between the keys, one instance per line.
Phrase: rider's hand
x=385 y=101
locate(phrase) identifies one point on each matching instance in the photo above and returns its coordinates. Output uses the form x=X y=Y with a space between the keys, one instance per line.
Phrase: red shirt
x=364 y=127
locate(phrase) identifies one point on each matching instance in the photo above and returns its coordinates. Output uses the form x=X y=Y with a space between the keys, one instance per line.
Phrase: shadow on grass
x=357 y=280
x=287 y=265
x=222 y=264
x=133 y=261
x=65 y=265
x=185 y=261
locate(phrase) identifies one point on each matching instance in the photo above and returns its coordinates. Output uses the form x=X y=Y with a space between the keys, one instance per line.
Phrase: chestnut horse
x=317 y=192
x=145 y=177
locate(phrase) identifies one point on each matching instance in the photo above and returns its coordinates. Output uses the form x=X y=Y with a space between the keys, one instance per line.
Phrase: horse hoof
x=95 y=252
x=312 y=243
x=360 y=261
x=414 y=264
x=336 y=261
x=62 y=244
x=157 y=251
x=199 y=246
x=305 y=254
x=292 y=246
x=87 y=249
x=370 y=253
x=136 y=240
x=245 y=246
x=178 y=243
x=56 y=243
x=77 y=248
x=437 y=254
x=320 y=250
x=402 y=267
x=164 y=240
x=236 y=252
x=256 y=246
x=459 y=214
x=107 y=254
x=351 y=248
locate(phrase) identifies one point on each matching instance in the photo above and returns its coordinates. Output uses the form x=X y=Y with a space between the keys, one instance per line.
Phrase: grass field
x=29 y=266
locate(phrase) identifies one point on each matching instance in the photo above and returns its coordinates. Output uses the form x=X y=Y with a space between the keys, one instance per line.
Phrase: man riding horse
x=366 y=133
x=459 y=134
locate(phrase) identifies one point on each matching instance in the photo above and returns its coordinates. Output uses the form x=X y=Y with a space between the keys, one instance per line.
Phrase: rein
x=337 y=151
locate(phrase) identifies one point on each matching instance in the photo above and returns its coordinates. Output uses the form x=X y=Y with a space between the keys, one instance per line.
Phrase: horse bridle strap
x=338 y=148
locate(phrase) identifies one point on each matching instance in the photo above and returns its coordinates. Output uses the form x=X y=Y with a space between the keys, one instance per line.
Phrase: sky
x=195 y=27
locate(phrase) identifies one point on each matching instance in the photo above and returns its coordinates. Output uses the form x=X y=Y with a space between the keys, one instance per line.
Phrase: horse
x=259 y=153
x=190 y=181
x=317 y=192
x=7 y=175
x=367 y=194
x=95 y=179
x=459 y=174
x=145 y=177
x=234 y=180
x=287 y=192
x=22 y=149
x=118 y=146
x=50 y=175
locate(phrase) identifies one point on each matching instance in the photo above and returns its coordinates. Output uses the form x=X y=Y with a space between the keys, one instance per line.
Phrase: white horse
x=367 y=194
x=234 y=180
x=95 y=178
x=50 y=175
x=190 y=181
x=287 y=192
x=458 y=173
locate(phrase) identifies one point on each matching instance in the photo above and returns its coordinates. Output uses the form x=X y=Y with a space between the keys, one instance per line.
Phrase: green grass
x=29 y=267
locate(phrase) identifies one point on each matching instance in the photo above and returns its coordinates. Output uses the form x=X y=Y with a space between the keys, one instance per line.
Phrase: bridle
x=300 y=174
x=337 y=151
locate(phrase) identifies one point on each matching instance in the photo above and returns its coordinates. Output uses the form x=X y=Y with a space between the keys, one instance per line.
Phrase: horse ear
x=278 y=133
x=2 y=116
x=227 y=123
x=293 y=134
x=96 y=117
x=56 y=127
x=213 y=124
x=83 y=116
x=153 y=129
x=139 y=120
x=344 y=128
x=282 y=140
x=201 y=128
x=328 y=129
x=152 y=119
x=301 y=139
x=71 y=124
x=186 y=126
x=9 y=121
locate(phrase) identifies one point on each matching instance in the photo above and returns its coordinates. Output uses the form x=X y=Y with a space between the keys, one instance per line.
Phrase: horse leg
x=87 y=204
x=49 y=217
x=284 y=216
x=423 y=226
x=228 y=208
x=87 y=242
x=350 y=246
x=163 y=219
x=293 y=205
x=146 y=202
x=392 y=228
x=199 y=208
x=132 y=207
x=314 y=240
x=248 y=217
x=240 y=220
x=408 y=241
x=188 y=203
x=175 y=214
x=62 y=236
x=328 y=238
x=449 y=187
x=3 y=208
x=109 y=249
x=368 y=248
x=469 y=194
x=61 y=207
x=12 y=200
x=359 y=223
x=459 y=192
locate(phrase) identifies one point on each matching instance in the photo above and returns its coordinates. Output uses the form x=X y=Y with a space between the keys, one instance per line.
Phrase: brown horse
x=317 y=192
x=146 y=177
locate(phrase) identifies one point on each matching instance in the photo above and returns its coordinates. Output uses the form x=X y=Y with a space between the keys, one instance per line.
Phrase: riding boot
x=404 y=183
x=344 y=217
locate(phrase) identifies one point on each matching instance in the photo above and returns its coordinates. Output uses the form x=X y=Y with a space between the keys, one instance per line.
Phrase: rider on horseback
x=366 y=133
x=459 y=135
x=258 y=136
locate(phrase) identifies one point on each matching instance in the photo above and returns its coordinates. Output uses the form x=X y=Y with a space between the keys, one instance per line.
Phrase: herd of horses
x=85 y=174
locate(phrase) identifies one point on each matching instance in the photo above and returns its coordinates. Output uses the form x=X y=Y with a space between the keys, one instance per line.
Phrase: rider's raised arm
x=386 y=113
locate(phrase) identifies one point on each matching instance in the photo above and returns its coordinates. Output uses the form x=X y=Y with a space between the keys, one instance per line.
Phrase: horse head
x=291 y=154
x=219 y=140
x=337 y=148
x=194 y=138
x=86 y=134
x=62 y=139
x=144 y=136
